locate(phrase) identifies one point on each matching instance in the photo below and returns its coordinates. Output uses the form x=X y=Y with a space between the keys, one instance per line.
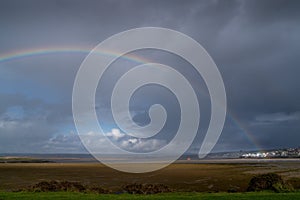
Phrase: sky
x=255 y=45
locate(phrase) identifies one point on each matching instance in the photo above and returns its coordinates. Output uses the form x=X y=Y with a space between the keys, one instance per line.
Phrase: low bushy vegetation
x=63 y=186
x=69 y=186
x=269 y=181
x=57 y=186
x=146 y=188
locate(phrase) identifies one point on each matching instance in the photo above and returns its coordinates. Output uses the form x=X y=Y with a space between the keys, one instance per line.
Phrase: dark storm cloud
x=255 y=44
x=265 y=12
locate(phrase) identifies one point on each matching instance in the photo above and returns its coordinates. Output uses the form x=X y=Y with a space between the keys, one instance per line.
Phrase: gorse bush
x=269 y=181
x=63 y=186
x=146 y=188
x=56 y=186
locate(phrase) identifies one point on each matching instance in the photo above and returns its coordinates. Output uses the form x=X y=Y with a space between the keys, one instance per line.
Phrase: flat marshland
x=181 y=177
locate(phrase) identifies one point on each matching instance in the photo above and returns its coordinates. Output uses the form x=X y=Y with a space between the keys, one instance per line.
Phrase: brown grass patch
x=180 y=177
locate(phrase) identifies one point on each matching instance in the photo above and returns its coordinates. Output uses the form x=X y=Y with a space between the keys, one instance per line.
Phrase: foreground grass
x=202 y=196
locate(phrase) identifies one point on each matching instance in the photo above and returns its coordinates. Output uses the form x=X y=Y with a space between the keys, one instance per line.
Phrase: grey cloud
x=255 y=44
x=27 y=131
x=68 y=143
x=278 y=117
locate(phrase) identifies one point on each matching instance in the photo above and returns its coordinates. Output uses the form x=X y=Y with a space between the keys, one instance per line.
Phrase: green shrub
x=269 y=181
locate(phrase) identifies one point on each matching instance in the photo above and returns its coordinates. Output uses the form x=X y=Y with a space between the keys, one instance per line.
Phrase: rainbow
x=21 y=54
x=247 y=133
x=16 y=55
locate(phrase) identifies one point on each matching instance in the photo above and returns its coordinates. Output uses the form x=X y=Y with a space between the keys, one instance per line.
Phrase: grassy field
x=171 y=196
x=180 y=177
x=188 y=181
